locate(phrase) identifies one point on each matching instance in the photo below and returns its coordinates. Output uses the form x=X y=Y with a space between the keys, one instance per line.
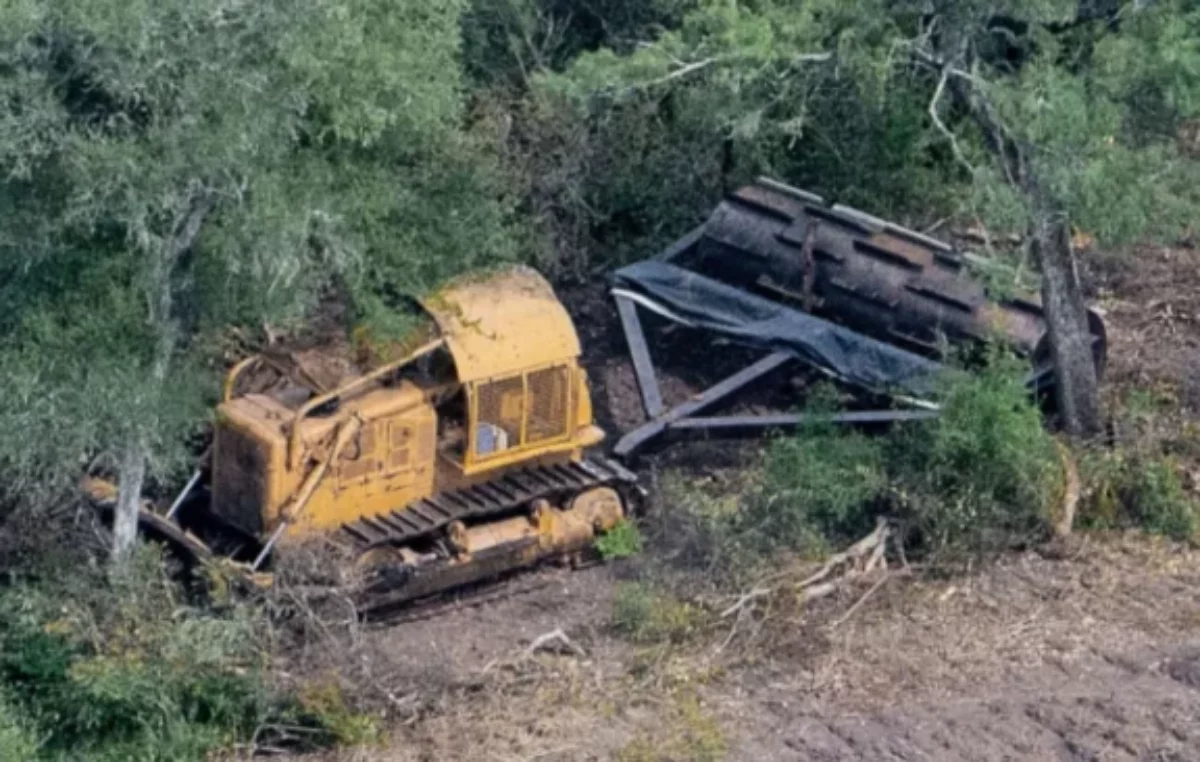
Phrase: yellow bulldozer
x=465 y=458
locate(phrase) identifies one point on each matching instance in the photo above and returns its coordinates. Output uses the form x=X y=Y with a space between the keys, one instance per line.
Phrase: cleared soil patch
x=1096 y=656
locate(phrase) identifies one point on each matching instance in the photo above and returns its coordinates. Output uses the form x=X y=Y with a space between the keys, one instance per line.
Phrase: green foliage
x=626 y=146
x=622 y=541
x=584 y=175
x=379 y=68
x=822 y=483
x=126 y=673
x=119 y=669
x=506 y=42
x=17 y=744
x=837 y=96
x=986 y=472
x=977 y=479
x=1136 y=489
x=1137 y=483
x=1159 y=503
x=645 y=614
x=979 y=476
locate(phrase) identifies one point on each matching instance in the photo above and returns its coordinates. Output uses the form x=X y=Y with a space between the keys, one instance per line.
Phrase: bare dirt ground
x=1089 y=653
x=1095 y=657
x=1151 y=301
x=1091 y=657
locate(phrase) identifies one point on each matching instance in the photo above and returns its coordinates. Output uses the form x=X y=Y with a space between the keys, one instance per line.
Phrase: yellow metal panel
x=503 y=323
x=368 y=479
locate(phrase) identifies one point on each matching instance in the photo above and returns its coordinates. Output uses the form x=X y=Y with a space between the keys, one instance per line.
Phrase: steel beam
x=639 y=352
x=637 y=438
x=680 y=246
x=723 y=425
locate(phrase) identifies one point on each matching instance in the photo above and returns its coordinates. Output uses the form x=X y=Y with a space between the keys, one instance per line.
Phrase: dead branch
x=936 y=116
x=862 y=557
x=690 y=68
x=750 y=597
x=555 y=640
x=887 y=575
x=541 y=642
x=877 y=558
x=819 y=591
x=682 y=71
x=856 y=551
x=979 y=234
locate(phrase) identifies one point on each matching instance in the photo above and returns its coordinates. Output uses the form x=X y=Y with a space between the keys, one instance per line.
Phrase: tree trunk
x=132 y=475
x=1066 y=317
x=163 y=262
x=1077 y=387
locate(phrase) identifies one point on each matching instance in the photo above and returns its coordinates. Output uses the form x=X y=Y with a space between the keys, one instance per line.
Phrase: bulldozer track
x=488 y=500
x=384 y=604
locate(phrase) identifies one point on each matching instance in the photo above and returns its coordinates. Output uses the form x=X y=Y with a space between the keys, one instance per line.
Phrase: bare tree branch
x=935 y=115
x=695 y=66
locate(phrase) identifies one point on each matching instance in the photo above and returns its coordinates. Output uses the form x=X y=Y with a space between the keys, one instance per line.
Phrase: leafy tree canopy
x=170 y=168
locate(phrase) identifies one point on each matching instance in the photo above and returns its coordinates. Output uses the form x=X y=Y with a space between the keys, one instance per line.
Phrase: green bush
x=647 y=615
x=1159 y=503
x=117 y=668
x=985 y=473
x=622 y=541
x=17 y=744
x=1126 y=489
x=823 y=483
x=980 y=477
x=123 y=671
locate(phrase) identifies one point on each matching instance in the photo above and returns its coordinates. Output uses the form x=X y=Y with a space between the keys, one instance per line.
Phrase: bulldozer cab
x=515 y=353
x=497 y=418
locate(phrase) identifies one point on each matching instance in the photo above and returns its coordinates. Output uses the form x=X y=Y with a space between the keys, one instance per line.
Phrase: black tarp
x=753 y=320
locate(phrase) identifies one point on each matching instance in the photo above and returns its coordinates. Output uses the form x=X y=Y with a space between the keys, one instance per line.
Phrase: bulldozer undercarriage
x=466 y=536
x=461 y=540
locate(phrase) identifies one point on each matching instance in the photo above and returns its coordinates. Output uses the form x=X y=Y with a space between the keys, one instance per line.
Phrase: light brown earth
x=1092 y=653
x=1093 y=657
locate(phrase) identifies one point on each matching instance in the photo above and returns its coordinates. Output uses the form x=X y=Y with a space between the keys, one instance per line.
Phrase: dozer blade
x=181 y=544
x=102 y=495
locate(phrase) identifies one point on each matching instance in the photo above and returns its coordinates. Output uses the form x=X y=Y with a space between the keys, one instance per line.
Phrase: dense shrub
x=979 y=478
x=1158 y=502
x=822 y=484
x=94 y=668
x=1129 y=488
x=123 y=671
x=985 y=472
x=646 y=614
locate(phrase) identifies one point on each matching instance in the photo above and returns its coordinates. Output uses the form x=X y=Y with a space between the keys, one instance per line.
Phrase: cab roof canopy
x=502 y=323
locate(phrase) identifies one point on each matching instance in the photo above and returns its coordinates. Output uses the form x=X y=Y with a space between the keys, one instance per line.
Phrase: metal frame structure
x=687 y=417
x=766 y=269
